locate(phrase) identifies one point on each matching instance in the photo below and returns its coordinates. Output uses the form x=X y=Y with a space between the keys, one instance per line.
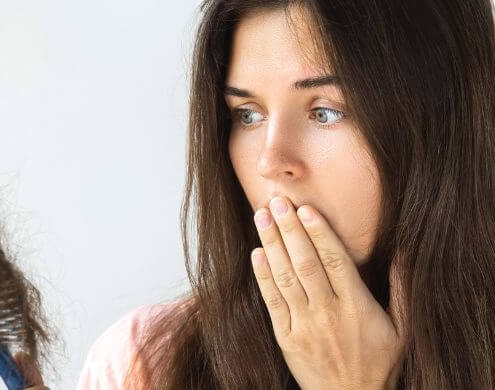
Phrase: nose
x=282 y=150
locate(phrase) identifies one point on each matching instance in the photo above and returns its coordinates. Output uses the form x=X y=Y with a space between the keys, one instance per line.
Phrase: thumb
x=29 y=369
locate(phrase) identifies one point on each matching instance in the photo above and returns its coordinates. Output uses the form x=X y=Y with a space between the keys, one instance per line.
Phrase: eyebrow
x=300 y=84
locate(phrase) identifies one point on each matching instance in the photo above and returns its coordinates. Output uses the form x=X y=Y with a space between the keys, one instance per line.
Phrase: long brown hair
x=418 y=78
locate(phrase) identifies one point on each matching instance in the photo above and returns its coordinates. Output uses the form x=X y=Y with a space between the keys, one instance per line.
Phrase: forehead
x=279 y=42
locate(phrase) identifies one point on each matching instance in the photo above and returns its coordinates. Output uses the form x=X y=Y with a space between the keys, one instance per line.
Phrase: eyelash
x=236 y=114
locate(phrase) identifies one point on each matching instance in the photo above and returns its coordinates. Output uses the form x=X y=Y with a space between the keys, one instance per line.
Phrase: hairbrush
x=12 y=335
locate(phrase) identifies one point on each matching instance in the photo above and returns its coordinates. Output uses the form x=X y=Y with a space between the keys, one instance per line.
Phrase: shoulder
x=110 y=356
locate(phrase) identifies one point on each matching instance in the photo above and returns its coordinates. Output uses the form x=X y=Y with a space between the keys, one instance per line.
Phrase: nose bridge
x=280 y=129
x=281 y=147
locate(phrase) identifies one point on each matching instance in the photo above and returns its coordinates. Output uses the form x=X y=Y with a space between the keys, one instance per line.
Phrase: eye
x=324 y=114
x=246 y=116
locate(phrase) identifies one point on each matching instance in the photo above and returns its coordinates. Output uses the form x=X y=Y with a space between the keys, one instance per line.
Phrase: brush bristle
x=12 y=329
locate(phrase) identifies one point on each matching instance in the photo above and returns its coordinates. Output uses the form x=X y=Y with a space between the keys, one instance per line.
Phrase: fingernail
x=305 y=214
x=257 y=257
x=262 y=219
x=280 y=206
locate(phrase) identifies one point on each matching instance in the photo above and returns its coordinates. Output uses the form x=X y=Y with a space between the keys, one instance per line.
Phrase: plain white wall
x=93 y=104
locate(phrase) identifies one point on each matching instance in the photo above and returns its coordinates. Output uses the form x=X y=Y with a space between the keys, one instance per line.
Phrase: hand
x=29 y=371
x=332 y=332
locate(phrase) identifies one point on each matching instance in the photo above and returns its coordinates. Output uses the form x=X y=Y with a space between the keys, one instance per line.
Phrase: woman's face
x=293 y=141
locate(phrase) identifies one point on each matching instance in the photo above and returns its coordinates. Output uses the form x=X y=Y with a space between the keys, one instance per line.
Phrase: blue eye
x=322 y=114
x=245 y=115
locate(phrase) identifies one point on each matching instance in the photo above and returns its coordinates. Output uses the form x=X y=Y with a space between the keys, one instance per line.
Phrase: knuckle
x=286 y=279
x=318 y=235
x=283 y=337
x=275 y=301
x=264 y=276
x=307 y=268
x=270 y=240
x=331 y=259
x=296 y=343
x=352 y=310
x=350 y=313
x=327 y=319
x=356 y=308
x=287 y=227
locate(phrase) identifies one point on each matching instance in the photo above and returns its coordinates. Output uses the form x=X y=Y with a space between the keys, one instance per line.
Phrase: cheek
x=353 y=196
x=363 y=211
x=244 y=164
x=238 y=155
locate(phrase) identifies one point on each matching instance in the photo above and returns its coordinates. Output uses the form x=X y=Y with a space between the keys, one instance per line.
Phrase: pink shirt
x=110 y=356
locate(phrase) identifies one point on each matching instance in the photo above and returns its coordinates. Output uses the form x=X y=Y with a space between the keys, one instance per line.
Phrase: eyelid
x=332 y=104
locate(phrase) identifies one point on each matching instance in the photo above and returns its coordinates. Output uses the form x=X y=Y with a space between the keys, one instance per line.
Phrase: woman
x=379 y=118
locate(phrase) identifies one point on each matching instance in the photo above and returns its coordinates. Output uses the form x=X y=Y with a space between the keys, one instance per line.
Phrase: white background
x=93 y=104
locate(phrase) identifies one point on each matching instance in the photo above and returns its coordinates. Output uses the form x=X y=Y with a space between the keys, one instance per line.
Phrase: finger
x=29 y=370
x=280 y=264
x=275 y=302
x=339 y=266
x=304 y=256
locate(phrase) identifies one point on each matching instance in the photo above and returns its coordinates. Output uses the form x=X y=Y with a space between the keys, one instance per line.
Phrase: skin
x=332 y=332
x=286 y=151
